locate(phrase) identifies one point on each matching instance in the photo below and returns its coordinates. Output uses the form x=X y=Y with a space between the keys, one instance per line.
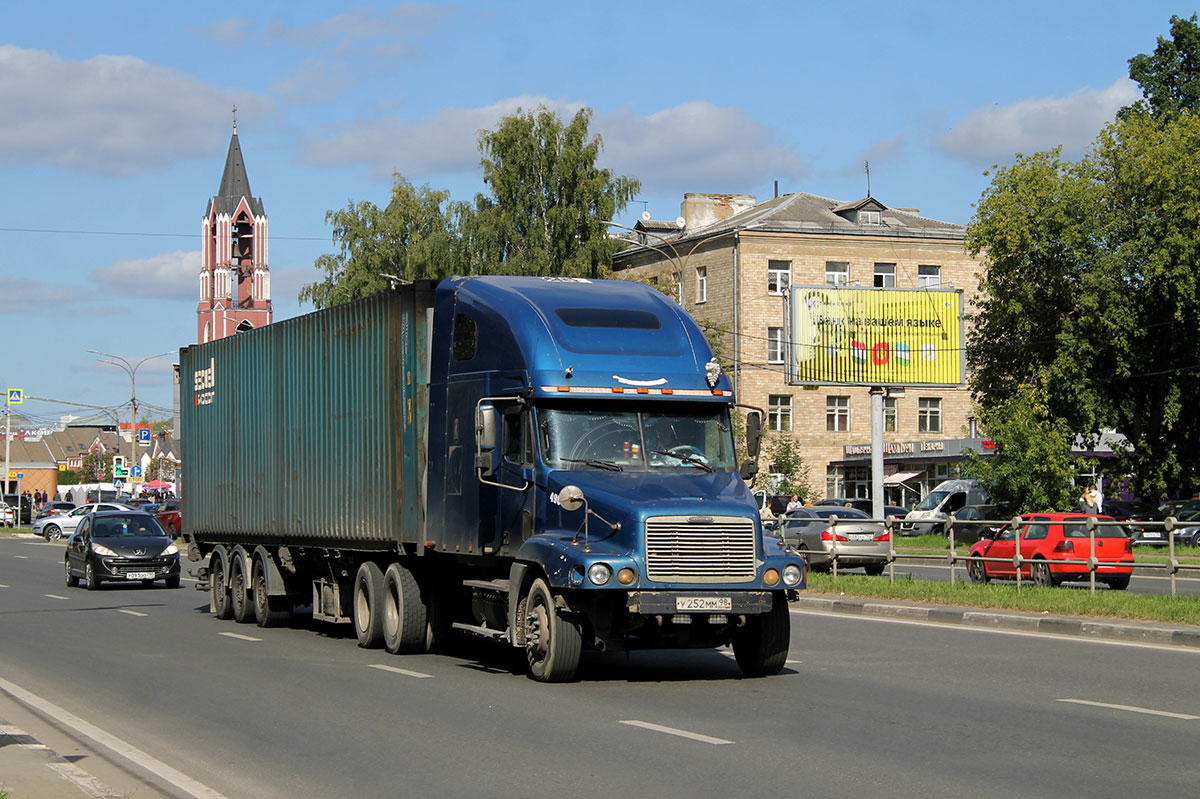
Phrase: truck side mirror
x=753 y=433
x=485 y=438
x=747 y=472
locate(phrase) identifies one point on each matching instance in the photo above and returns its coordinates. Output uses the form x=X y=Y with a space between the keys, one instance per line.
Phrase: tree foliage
x=545 y=215
x=1170 y=76
x=783 y=458
x=1090 y=291
x=93 y=463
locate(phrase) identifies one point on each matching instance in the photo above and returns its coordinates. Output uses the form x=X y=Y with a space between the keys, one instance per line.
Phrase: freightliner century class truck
x=544 y=461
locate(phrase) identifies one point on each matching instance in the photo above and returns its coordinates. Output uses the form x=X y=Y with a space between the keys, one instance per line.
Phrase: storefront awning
x=897 y=478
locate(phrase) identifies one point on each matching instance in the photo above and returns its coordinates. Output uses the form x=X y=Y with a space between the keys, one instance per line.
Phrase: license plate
x=1151 y=535
x=686 y=604
x=139 y=575
x=860 y=536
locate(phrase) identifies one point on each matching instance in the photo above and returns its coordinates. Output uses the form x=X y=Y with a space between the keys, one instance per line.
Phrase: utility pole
x=131 y=370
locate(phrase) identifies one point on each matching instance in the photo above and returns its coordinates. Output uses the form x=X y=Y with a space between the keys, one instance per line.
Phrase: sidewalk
x=30 y=770
x=1149 y=632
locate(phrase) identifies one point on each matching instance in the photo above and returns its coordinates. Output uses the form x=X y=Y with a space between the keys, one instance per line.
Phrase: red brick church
x=235 y=281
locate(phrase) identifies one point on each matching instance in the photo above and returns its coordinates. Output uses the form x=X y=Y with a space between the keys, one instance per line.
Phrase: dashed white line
x=134 y=613
x=240 y=637
x=21 y=557
x=405 y=672
x=694 y=736
x=1132 y=709
x=55 y=596
x=3 y=586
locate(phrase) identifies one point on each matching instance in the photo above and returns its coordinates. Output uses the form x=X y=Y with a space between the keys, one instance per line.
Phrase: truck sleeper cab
x=564 y=478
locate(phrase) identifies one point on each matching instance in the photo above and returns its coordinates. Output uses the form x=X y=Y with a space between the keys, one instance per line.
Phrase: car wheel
x=1196 y=539
x=1042 y=575
x=976 y=571
x=53 y=532
x=72 y=580
x=173 y=582
x=90 y=580
x=874 y=569
x=1119 y=582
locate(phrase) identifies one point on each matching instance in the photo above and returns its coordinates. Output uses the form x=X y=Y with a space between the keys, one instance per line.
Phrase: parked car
x=23 y=502
x=53 y=528
x=862 y=504
x=55 y=508
x=121 y=546
x=1144 y=522
x=1047 y=539
x=860 y=541
x=973 y=522
x=946 y=497
x=7 y=517
x=171 y=518
x=1187 y=533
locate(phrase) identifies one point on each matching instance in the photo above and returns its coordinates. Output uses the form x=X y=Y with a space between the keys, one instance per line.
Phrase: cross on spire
x=235 y=120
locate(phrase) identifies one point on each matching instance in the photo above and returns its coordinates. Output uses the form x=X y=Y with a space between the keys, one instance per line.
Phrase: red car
x=1047 y=539
x=170 y=516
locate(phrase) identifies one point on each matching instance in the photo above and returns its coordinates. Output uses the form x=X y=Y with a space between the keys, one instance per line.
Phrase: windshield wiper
x=688 y=459
x=599 y=464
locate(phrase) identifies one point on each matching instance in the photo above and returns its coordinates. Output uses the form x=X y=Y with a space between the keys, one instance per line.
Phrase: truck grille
x=682 y=549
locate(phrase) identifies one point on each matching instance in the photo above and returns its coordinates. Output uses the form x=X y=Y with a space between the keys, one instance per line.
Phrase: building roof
x=801 y=212
x=234 y=184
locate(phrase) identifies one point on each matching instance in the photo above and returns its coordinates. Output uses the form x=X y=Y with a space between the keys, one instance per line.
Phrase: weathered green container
x=311 y=431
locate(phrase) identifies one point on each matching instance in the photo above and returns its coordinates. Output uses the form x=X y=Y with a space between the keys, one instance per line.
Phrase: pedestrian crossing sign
x=16 y=396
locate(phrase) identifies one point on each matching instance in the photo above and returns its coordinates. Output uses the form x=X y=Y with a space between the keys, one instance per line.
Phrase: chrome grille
x=717 y=550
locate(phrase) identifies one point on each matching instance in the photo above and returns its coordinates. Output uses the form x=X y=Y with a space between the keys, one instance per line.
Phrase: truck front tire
x=552 y=641
x=368 y=605
x=405 y=616
x=761 y=647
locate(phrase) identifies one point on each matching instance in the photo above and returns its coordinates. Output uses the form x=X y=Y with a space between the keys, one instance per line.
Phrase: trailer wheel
x=218 y=584
x=368 y=605
x=267 y=609
x=760 y=648
x=552 y=641
x=404 y=614
x=239 y=600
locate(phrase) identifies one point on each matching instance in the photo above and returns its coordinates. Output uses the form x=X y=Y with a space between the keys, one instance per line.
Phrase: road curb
x=1118 y=630
x=30 y=769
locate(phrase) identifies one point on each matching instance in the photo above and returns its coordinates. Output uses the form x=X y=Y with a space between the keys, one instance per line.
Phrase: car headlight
x=792 y=574
x=170 y=550
x=103 y=551
x=600 y=573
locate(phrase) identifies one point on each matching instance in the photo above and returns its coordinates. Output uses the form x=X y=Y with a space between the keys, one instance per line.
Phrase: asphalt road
x=866 y=707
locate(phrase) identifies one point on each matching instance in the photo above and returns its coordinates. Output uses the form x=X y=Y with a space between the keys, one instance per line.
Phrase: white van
x=935 y=509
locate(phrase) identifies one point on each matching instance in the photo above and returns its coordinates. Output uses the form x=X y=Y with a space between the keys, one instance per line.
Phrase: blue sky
x=115 y=119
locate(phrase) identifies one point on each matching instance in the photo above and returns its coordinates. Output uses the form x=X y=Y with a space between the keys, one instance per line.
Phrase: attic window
x=870 y=217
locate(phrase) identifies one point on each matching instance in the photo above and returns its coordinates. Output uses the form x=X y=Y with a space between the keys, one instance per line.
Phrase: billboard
x=874 y=337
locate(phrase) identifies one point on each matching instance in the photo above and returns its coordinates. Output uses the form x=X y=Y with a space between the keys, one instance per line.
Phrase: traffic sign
x=16 y=396
x=144 y=437
x=118 y=483
x=136 y=470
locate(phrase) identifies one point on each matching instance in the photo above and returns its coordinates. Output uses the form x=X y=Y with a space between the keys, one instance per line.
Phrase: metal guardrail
x=1171 y=567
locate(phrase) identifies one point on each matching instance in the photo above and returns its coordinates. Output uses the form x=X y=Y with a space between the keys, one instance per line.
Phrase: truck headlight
x=626 y=576
x=792 y=574
x=770 y=577
x=600 y=573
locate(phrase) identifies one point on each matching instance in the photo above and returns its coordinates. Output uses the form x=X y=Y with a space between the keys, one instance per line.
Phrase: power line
x=148 y=234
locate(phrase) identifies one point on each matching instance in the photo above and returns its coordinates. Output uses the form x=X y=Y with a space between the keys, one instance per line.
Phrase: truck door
x=516 y=522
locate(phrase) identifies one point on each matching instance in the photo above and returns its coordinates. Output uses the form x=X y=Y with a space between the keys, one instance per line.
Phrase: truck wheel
x=552 y=642
x=218 y=584
x=267 y=610
x=368 y=605
x=760 y=648
x=239 y=601
x=404 y=614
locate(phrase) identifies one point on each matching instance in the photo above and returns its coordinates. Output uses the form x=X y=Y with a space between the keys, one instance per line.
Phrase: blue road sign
x=144 y=436
x=136 y=471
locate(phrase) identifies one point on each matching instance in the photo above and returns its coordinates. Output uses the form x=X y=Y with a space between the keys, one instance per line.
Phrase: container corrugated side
x=310 y=430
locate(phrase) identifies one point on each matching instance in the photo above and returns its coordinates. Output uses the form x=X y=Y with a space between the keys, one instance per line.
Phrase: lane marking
x=240 y=637
x=694 y=736
x=21 y=557
x=3 y=586
x=131 y=753
x=132 y=612
x=405 y=672
x=56 y=596
x=1131 y=709
x=952 y=626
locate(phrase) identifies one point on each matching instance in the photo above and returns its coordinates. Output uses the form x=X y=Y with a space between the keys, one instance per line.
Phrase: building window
x=885 y=276
x=678 y=277
x=929 y=276
x=774 y=345
x=929 y=415
x=835 y=483
x=837 y=414
x=701 y=284
x=857 y=482
x=870 y=217
x=779 y=276
x=779 y=413
x=837 y=273
x=889 y=415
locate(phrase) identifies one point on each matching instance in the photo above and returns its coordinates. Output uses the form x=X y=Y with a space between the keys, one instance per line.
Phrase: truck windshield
x=621 y=438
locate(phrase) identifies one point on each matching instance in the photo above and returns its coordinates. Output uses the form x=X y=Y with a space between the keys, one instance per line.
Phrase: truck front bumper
x=654 y=603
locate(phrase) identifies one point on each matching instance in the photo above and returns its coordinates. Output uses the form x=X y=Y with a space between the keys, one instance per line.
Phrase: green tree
x=549 y=201
x=93 y=462
x=415 y=236
x=783 y=458
x=1170 y=76
x=1032 y=465
x=1091 y=284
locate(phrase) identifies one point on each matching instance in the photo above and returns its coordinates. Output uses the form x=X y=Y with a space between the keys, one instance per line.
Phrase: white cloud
x=996 y=133
x=21 y=295
x=109 y=115
x=680 y=148
x=169 y=276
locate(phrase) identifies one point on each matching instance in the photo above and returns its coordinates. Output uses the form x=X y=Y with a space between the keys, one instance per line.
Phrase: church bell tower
x=235 y=282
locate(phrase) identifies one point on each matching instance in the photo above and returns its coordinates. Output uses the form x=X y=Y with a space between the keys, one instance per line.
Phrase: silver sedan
x=859 y=541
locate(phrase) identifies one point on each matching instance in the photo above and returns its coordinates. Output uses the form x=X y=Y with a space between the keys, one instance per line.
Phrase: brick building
x=728 y=261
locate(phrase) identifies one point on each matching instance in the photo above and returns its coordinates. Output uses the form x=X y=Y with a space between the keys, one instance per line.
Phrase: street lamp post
x=131 y=370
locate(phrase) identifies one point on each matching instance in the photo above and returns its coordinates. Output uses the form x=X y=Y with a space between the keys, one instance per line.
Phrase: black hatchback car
x=121 y=546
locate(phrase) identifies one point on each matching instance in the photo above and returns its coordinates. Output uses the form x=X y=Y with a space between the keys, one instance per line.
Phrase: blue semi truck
x=548 y=462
